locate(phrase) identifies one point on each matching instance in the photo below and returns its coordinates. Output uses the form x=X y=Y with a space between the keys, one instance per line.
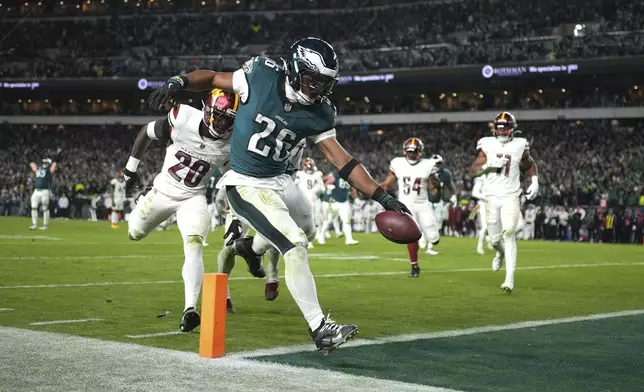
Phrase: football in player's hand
x=435 y=181
x=401 y=229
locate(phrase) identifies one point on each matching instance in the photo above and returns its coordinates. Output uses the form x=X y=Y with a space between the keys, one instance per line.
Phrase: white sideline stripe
x=5 y=309
x=345 y=275
x=87 y=320
x=154 y=335
x=38 y=258
x=441 y=334
x=77 y=362
x=29 y=237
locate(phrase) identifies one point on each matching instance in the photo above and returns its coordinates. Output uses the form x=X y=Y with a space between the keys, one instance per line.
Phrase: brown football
x=401 y=229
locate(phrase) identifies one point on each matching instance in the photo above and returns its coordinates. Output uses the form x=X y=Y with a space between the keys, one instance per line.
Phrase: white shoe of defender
x=497 y=263
x=507 y=287
x=480 y=250
x=321 y=241
x=33 y=227
x=43 y=228
x=310 y=245
x=431 y=252
x=351 y=242
x=205 y=244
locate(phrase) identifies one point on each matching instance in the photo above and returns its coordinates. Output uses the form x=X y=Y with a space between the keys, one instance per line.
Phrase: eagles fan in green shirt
x=283 y=103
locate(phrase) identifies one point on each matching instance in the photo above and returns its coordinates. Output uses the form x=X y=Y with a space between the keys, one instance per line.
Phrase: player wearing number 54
x=280 y=105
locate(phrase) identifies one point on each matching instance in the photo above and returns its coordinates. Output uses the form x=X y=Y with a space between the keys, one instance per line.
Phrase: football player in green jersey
x=281 y=104
x=42 y=187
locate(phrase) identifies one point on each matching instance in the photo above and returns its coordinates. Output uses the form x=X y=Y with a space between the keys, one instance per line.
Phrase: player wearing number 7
x=281 y=104
x=413 y=174
x=199 y=145
x=501 y=159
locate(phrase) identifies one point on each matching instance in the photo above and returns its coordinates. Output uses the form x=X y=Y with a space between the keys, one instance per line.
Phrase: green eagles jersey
x=342 y=188
x=445 y=176
x=267 y=126
x=43 y=178
x=326 y=196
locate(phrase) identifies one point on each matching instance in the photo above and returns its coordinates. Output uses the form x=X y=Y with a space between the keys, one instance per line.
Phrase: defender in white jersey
x=501 y=159
x=414 y=176
x=199 y=146
x=311 y=181
x=117 y=195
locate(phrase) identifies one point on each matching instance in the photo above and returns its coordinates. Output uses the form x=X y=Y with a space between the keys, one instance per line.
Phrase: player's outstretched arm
x=479 y=166
x=199 y=80
x=389 y=181
x=33 y=166
x=528 y=164
x=352 y=171
x=159 y=129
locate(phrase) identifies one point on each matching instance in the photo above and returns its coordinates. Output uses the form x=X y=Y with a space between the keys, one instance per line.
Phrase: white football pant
x=502 y=218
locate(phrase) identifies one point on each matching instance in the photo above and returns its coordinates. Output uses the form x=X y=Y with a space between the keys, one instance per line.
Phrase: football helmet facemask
x=308 y=164
x=503 y=126
x=311 y=69
x=219 y=112
x=413 y=150
x=45 y=162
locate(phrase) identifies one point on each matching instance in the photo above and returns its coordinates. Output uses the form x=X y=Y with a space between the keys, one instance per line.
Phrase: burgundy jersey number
x=197 y=169
x=408 y=187
x=506 y=172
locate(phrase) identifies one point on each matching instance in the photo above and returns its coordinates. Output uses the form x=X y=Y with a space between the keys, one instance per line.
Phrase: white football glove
x=533 y=190
x=453 y=200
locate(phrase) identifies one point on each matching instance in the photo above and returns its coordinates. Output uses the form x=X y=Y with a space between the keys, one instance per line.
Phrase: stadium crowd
x=429 y=34
x=597 y=163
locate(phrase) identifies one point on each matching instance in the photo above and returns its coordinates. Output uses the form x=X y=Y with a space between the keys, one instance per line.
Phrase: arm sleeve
x=159 y=129
x=323 y=136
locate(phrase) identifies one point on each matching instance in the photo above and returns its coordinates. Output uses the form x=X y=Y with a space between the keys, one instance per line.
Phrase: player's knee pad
x=508 y=234
x=193 y=240
x=299 y=238
x=135 y=235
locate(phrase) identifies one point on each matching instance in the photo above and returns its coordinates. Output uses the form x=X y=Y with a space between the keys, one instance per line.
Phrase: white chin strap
x=503 y=138
x=296 y=96
x=412 y=161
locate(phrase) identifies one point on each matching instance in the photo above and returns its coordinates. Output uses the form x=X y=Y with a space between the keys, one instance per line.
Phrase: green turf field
x=83 y=270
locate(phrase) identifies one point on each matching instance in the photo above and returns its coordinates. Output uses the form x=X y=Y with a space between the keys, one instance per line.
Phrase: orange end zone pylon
x=212 y=332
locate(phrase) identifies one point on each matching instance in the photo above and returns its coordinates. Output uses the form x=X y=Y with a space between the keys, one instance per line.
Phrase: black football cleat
x=244 y=249
x=415 y=271
x=190 y=320
x=329 y=335
x=271 y=291
x=230 y=308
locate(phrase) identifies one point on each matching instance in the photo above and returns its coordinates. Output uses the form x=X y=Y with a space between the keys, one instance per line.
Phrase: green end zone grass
x=445 y=297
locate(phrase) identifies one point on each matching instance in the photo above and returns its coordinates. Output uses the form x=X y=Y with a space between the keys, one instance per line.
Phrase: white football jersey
x=190 y=159
x=119 y=188
x=413 y=180
x=505 y=181
x=312 y=184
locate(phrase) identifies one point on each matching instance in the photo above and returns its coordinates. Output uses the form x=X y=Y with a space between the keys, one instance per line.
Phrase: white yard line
x=322 y=276
x=154 y=335
x=53 y=362
x=87 y=320
x=38 y=258
x=5 y=309
x=441 y=334
x=29 y=237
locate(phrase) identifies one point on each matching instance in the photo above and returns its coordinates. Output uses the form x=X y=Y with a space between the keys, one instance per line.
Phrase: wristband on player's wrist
x=535 y=180
x=179 y=80
x=381 y=196
x=132 y=164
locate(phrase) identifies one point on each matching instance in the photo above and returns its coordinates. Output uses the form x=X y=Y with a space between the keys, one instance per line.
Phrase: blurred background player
x=501 y=159
x=413 y=174
x=211 y=192
x=440 y=201
x=42 y=189
x=199 y=145
x=478 y=192
x=117 y=195
x=310 y=180
x=340 y=206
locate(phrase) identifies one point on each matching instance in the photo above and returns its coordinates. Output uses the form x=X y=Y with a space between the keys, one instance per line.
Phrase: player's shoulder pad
x=523 y=142
x=482 y=143
x=261 y=64
x=181 y=115
x=327 y=112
